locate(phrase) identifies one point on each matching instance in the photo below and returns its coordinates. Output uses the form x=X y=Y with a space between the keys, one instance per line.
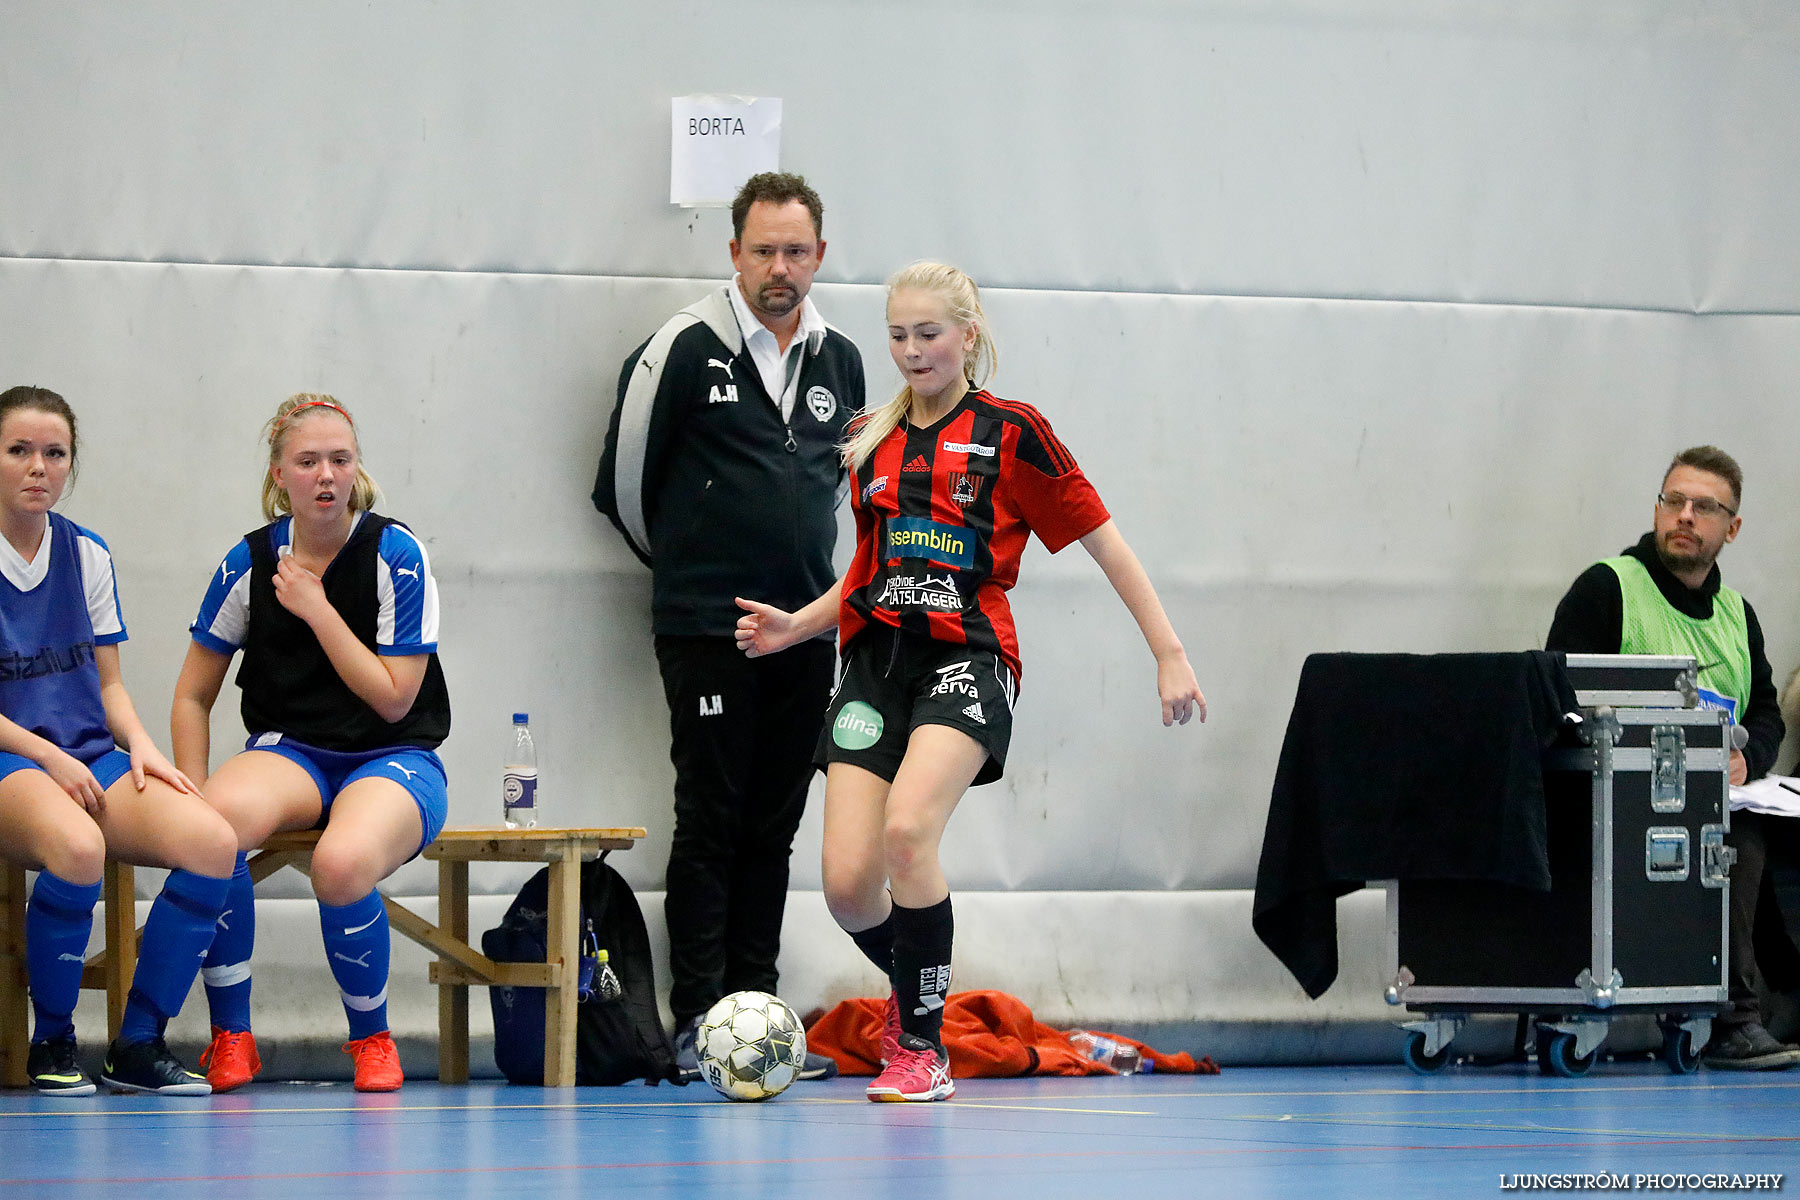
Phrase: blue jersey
x=53 y=611
x=405 y=592
x=380 y=584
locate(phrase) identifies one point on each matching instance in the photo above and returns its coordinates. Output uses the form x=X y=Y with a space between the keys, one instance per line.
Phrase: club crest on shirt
x=822 y=403
x=963 y=487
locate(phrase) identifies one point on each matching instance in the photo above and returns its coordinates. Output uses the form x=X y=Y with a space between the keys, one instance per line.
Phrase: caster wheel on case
x=1543 y=1052
x=1558 y=1057
x=1679 y=1053
x=1417 y=1061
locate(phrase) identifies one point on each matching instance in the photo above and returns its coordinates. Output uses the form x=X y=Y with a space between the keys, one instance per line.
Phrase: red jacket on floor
x=987 y=1033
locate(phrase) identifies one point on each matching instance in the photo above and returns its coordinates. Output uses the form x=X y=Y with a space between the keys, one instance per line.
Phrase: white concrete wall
x=1373 y=320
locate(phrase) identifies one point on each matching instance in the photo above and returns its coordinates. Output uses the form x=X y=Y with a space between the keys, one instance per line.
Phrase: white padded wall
x=1610 y=152
x=1374 y=321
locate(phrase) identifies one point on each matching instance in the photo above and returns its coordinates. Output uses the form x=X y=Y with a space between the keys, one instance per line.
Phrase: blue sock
x=227 y=966
x=356 y=945
x=58 y=919
x=176 y=936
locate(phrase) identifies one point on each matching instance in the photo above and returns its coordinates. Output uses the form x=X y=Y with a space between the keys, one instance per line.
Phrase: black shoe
x=687 y=1050
x=817 y=1066
x=1748 y=1048
x=149 y=1067
x=53 y=1069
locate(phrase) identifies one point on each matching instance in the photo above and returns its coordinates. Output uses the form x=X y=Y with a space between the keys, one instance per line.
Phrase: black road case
x=1635 y=921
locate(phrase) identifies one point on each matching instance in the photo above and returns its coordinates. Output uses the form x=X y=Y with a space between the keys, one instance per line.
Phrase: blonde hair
x=295 y=408
x=963 y=299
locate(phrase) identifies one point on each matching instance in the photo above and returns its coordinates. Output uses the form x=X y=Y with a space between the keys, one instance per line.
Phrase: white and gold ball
x=751 y=1046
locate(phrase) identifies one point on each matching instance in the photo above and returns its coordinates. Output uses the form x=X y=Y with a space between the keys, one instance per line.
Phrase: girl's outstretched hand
x=764 y=629
x=1178 y=688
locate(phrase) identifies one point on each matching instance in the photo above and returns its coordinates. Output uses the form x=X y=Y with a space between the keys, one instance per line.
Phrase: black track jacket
x=711 y=488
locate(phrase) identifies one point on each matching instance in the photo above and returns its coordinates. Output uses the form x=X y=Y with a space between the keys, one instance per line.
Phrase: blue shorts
x=420 y=772
x=109 y=768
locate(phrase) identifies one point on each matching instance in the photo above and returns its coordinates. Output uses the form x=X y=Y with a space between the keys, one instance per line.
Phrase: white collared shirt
x=781 y=382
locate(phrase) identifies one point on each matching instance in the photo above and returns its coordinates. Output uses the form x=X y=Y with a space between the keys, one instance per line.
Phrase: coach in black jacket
x=721 y=469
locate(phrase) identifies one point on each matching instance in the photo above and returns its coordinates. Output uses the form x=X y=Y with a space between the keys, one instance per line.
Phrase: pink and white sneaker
x=890 y=1029
x=919 y=1071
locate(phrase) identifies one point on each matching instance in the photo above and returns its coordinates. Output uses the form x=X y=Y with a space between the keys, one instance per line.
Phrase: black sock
x=877 y=944
x=922 y=967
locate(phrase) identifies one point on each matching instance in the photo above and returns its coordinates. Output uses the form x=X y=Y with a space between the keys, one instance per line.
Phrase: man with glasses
x=722 y=470
x=1664 y=596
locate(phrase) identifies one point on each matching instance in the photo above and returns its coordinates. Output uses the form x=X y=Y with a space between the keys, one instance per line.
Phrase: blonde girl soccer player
x=68 y=795
x=949 y=481
x=336 y=611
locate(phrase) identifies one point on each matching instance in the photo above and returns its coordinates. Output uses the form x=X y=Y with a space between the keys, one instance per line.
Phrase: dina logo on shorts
x=858 y=726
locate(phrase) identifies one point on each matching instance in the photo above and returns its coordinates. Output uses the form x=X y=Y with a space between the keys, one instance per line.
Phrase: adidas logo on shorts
x=973 y=712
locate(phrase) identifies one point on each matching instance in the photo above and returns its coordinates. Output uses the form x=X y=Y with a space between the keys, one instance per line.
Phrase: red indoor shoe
x=377 y=1063
x=920 y=1071
x=890 y=1029
x=230 y=1060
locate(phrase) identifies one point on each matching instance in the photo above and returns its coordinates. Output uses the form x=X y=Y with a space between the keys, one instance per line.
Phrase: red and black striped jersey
x=942 y=515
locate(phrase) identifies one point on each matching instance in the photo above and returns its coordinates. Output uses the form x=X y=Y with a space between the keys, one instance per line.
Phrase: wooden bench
x=459 y=965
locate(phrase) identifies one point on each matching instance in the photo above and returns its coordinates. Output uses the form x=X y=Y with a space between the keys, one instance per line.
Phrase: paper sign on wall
x=717 y=142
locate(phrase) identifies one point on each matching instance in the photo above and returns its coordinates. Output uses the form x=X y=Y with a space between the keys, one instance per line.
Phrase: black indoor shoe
x=817 y=1066
x=1748 y=1048
x=149 y=1067
x=53 y=1070
x=687 y=1049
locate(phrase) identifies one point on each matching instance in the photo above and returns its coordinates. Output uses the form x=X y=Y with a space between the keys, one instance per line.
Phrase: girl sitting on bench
x=68 y=795
x=336 y=611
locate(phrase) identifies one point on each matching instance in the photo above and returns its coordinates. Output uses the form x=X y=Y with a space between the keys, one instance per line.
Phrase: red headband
x=298 y=408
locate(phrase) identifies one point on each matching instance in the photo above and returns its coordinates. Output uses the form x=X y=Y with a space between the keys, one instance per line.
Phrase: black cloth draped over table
x=1404 y=766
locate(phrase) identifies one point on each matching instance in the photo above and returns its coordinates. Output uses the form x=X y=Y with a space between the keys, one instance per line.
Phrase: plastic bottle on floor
x=1120 y=1056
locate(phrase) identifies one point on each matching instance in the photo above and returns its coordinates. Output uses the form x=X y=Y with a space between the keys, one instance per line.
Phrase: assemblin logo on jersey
x=47 y=661
x=912 y=537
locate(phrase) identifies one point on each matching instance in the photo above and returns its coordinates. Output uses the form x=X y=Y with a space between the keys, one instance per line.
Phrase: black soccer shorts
x=893 y=682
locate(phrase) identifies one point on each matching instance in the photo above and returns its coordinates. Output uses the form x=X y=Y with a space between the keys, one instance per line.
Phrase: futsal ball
x=751 y=1045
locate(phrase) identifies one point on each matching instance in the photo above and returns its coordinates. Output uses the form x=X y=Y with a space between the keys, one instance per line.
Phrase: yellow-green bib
x=1720 y=644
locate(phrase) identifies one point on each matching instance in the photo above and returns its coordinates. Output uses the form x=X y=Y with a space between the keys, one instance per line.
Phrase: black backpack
x=616 y=1039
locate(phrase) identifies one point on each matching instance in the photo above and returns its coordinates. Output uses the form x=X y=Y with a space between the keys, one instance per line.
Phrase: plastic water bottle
x=606 y=982
x=597 y=980
x=519 y=778
x=1120 y=1056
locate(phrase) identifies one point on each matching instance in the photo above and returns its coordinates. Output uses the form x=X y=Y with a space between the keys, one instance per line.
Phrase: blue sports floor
x=1277 y=1131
